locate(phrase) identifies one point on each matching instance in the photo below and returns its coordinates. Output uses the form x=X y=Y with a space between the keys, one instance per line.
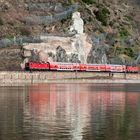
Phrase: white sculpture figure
x=77 y=23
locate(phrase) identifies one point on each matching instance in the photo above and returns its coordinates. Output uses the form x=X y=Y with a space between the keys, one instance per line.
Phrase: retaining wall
x=37 y=77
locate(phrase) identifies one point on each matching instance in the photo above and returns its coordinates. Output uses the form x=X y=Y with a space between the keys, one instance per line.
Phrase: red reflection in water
x=132 y=98
x=75 y=106
x=56 y=95
x=53 y=95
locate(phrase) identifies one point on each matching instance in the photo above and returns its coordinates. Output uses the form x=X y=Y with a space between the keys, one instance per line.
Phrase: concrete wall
x=37 y=77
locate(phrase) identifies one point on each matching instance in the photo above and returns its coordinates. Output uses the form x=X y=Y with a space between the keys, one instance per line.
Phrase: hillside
x=114 y=23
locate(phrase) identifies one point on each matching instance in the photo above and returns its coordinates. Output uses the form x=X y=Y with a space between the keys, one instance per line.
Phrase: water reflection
x=70 y=112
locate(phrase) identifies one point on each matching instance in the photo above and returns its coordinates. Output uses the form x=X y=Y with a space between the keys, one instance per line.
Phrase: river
x=70 y=112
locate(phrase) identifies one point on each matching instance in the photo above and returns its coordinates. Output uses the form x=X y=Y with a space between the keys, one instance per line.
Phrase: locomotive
x=57 y=66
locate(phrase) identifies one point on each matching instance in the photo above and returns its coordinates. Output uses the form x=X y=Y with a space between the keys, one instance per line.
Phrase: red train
x=54 y=66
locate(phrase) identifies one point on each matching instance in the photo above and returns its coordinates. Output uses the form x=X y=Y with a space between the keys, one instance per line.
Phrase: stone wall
x=43 y=77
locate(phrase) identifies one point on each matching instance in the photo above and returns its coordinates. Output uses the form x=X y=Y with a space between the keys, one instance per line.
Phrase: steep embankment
x=113 y=26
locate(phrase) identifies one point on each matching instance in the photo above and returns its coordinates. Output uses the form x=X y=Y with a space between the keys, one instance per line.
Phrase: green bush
x=101 y=30
x=102 y=15
x=127 y=51
x=71 y=1
x=123 y=33
x=129 y=18
x=111 y=23
x=9 y=36
x=89 y=1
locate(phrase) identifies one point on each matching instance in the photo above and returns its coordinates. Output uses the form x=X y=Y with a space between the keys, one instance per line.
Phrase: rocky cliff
x=111 y=29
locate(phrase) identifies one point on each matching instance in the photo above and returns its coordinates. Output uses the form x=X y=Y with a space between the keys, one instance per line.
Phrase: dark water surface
x=70 y=112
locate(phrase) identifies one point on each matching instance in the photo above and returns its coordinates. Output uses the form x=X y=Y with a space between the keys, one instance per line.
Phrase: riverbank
x=22 y=78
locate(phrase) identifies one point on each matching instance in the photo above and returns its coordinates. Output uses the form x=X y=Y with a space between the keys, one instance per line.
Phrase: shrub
x=129 y=18
x=9 y=36
x=123 y=33
x=89 y=1
x=1 y=21
x=101 y=30
x=24 y=31
x=71 y=1
x=102 y=15
x=111 y=23
x=127 y=51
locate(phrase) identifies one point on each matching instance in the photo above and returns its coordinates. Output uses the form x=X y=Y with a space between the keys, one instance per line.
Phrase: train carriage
x=96 y=67
x=83 y=67
x=65 y=67
x=62 y=66
x=132 y=69
x=115 y=68
x=76 y=67
x=53 y=66
x=37 y=66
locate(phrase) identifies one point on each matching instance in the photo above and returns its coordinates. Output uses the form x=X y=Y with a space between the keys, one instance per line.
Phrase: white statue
x=77 y=23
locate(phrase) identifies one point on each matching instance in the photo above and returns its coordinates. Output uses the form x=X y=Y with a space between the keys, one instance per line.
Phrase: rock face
x=61 y=55
x=59 y=49
x=98 y=52
x=137 y=60
x=43 y=56
x=98 y=55
x=73 y=49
